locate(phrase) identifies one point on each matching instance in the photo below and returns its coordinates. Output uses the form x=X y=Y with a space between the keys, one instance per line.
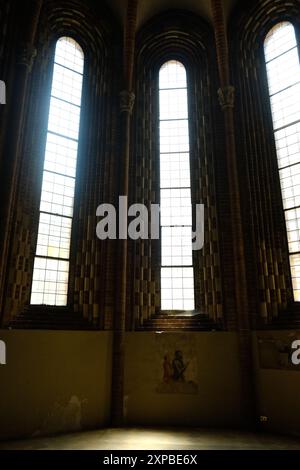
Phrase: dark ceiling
x=149 y=8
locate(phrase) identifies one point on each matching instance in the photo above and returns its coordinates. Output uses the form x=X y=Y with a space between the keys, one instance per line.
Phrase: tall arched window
x=283 y=71
x=51 y=263
x=177 y=274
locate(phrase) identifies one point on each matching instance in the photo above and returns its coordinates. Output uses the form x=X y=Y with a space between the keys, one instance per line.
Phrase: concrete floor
x=158 y=439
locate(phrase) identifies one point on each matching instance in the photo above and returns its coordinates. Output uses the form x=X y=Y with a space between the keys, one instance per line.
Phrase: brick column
x=226 y=99
x=30 y=14
x=126 y=106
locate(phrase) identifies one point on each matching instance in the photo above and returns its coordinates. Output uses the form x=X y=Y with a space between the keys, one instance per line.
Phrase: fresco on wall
x=177 y=365
x=275 y=350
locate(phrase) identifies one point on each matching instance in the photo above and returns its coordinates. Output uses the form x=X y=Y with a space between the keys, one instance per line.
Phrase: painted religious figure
x=174 y=375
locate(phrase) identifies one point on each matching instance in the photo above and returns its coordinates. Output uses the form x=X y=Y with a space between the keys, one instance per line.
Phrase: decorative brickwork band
x=127 y=99
x=226 y=97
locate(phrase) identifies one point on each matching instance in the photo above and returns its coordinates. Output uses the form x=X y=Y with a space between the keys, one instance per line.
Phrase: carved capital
x=126 y=101
x=26 y=56
x=226 y=96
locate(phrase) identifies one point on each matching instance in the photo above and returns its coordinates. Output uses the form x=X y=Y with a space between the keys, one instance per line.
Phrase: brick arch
x=92 y=25
x=91 y=267
x=177 y=35
x=264 y=226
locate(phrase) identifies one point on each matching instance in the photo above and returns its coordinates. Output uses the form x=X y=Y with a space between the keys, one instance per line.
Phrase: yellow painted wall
x=58 y=381
x=278 y=393
x=54 y=381
x=218 y=399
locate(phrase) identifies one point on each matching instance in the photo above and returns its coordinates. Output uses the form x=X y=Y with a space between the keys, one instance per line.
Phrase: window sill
x=180 y=313
x=42 y=317
x=180 y=321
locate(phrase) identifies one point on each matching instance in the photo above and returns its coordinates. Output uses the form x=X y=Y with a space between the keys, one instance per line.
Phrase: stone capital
x=226 y=97
x=126 y=101
x=26 y=55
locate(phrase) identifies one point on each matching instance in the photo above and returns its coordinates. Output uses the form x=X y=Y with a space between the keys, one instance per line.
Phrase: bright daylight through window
x=51 y=263
x=177 y=274
x=283 y=70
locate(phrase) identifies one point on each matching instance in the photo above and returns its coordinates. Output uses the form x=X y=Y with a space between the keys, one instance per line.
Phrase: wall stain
x=62 y=418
